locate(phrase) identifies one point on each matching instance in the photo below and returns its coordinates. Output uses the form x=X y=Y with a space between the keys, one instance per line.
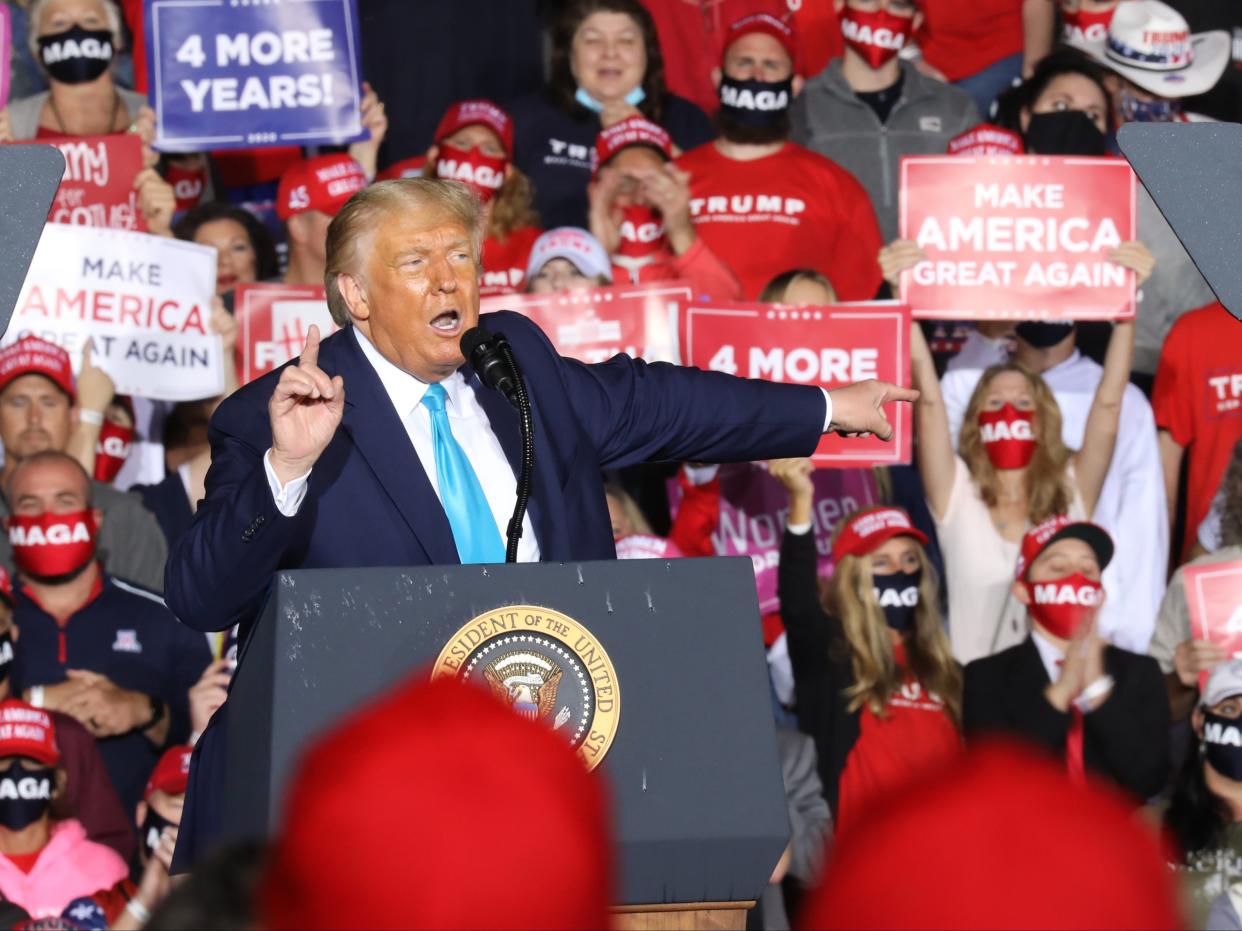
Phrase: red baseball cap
x=27 y=731
x=999 y=838
x=634 y=130
x=768 y=24
x=1042 y=536
x=406 y=168
x=986 y=139
x=171 y=774
x=322 y=183
x=477 y=113
x=396 y=790
x=863 y=531
x=33 y=356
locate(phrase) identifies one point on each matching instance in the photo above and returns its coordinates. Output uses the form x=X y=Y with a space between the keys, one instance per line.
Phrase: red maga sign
x=825 y=346
x=274 y=320
x=98 y=185
x=1018 y=237
x=1214 y=597
x=591 y=326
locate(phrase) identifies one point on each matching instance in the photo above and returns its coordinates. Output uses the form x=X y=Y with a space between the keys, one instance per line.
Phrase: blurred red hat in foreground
x=1000 y=839
x=437 y=807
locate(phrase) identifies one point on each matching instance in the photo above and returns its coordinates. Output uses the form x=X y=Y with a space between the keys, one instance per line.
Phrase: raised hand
x=898 y=256
x=305 y=411
x=858 y=409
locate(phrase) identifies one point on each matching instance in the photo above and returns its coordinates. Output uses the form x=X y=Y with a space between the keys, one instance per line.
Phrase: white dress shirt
x=471 y=429
x=1131 y=506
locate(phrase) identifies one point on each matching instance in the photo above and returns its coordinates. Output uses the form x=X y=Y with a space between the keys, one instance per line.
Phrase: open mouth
x=448 y=322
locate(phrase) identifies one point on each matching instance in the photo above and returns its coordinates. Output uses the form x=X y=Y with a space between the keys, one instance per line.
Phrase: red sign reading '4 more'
x=824 y=346
x=1018 y=237
x=1214 y=597
x=595 y=325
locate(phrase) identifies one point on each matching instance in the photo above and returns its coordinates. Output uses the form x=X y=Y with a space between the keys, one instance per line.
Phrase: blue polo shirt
x=126 y=633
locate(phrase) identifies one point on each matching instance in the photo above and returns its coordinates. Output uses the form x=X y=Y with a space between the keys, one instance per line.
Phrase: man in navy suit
x=339 y=458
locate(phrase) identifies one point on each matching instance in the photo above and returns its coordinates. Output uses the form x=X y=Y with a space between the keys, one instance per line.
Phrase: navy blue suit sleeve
x=220 y=569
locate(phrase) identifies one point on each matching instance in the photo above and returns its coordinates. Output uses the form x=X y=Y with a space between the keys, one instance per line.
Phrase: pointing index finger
x=310 y=352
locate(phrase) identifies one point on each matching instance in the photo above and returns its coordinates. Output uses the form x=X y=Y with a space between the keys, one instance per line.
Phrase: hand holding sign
x=1194 y=658
x=305 y=411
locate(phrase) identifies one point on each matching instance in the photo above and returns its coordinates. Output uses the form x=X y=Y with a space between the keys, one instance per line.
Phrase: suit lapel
x=1029 y=675
x=380 y=438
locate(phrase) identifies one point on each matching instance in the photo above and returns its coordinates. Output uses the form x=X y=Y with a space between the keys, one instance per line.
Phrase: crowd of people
x=1023 y=577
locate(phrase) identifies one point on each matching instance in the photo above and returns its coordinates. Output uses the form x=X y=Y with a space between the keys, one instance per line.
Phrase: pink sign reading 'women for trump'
x=826 y=347
x=591 y=326
x=1018 y=237
x=1214 y=597
x=6 y=50
x=753 y=509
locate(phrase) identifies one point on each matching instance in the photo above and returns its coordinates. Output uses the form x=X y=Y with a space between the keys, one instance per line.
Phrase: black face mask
x=898 y=597
x=1222 y=745
x=1042 y=335
x=1064 y=132
x=152 y=828
x=755 y=103
x=76 y=55
x=25 y=794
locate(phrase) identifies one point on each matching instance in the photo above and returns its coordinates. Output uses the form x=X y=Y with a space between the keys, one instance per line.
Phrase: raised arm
x=1100 y=435
x=797 y=578
x=934 y=445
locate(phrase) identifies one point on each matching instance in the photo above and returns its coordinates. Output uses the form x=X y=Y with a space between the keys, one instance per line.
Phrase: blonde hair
x=513 y=206
x=774 y=291
x=35 y=13
x=1048 y=492
x=348 y=233
x=851 y=597
x=629 y=508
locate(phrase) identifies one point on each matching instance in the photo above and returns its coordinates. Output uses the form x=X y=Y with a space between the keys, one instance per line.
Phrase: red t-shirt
x=962 y=38
x=914 y=735
x=1197 y=397
x=794 y=209
x=692 y=34
x=504 y=263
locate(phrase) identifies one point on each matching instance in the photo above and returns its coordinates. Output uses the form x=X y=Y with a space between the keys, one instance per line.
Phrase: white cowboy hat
x=1149 y=43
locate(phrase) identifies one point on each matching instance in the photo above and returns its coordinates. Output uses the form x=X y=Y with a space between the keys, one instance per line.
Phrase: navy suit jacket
x=370 y=503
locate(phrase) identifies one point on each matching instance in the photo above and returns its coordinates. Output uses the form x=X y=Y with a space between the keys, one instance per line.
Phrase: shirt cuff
x=289 y=497
x=827 y=410
x=799 y=529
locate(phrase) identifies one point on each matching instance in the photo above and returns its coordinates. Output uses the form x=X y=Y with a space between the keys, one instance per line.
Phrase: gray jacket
x=131 y=545
x=828 y=118
x=24 y=113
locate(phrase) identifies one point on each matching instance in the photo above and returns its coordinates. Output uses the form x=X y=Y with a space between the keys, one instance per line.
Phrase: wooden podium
x=682 y=916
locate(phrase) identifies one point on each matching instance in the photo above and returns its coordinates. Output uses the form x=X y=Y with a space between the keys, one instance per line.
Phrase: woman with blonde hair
x=875 y=682
x=1011 y=472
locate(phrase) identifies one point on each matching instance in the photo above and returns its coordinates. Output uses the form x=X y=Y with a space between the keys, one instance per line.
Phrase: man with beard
x=755 y=195
x=107 y=653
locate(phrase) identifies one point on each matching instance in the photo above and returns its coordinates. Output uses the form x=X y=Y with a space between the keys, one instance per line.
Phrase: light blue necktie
x=474 y=527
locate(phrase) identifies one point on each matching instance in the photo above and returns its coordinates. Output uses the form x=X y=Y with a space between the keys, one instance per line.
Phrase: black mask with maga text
x=1064 y=132
x=152 y=827
x=77 y=55
x=1042 y=335
x=25 y=794
x=898 y=597
x=1222 y=745
x=755 y=103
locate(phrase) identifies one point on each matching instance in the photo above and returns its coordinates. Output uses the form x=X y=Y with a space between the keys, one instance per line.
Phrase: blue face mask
x=633 y=98
x=1134 y=110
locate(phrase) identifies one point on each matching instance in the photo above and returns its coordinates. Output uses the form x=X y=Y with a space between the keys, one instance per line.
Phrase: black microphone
x=485 y=351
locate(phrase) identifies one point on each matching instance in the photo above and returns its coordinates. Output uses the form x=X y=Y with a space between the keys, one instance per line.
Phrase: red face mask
x=1086 y=28
x=876 y=35
x=112 y=450
x=51 y=545
x=1060 y=605
x=483 y=174
x=642 y=231
x=1008 y=437
x=187 y=184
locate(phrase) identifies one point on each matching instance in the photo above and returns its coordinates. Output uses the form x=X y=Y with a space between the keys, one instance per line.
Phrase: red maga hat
x=27 y=731
x=171 y=774
x=863 y=531
x=768 y=24
x=1042 y=536
x=1001 y=838
x=634 y=130
x=322 y=183
x=477 y=113
x=33 y=356
x=438 y=807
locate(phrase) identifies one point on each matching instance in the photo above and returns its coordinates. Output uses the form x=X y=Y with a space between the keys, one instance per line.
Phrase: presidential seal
x=546 y=667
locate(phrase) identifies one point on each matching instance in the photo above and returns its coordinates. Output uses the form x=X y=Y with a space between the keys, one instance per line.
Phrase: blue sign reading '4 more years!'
x=237 y=73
